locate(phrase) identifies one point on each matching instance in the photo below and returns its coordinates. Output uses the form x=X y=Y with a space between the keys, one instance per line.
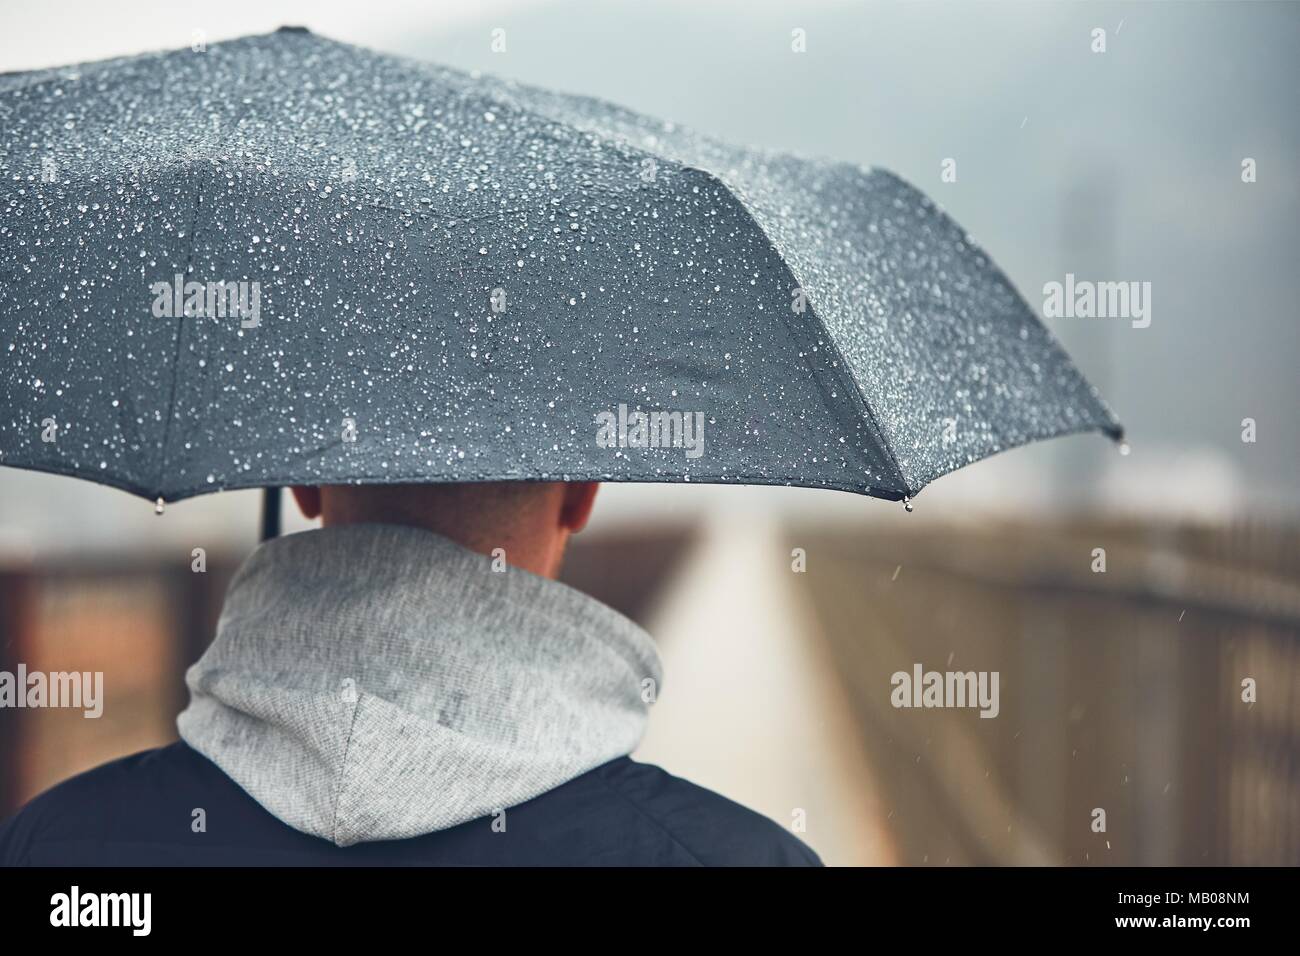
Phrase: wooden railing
x=1120 y=690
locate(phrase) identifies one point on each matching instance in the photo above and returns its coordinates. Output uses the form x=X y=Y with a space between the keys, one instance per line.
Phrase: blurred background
x=1120 y=689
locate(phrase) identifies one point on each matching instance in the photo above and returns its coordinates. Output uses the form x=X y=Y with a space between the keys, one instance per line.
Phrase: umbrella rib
x=839 y=366
x=850 y=382
x=176 y=354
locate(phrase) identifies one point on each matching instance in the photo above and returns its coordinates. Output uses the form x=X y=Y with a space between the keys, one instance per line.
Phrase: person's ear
x=308 y=499
x=575 y=509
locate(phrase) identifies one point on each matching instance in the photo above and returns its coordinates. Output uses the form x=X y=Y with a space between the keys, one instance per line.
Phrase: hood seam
x=343 y=772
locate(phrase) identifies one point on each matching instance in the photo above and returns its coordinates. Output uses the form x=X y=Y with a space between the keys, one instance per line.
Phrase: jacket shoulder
x=707 y=826
x=139 y=810
x=113 y=798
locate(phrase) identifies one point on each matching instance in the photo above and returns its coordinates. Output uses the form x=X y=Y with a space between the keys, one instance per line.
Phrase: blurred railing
x=1120 y=690
x=139 y=622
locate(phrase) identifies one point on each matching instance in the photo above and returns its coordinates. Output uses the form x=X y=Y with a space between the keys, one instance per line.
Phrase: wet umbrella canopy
x=285 y=260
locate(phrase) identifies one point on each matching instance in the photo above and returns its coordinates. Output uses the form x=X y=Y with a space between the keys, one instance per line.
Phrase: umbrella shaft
x=270 y=513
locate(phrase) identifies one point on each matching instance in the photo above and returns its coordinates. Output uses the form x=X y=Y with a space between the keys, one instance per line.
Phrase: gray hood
x=376 y=682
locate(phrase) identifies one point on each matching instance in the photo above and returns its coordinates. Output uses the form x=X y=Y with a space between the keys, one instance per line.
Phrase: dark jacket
x=142 y=811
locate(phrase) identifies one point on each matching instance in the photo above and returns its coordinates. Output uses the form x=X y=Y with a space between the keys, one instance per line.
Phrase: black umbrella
x=286 y=260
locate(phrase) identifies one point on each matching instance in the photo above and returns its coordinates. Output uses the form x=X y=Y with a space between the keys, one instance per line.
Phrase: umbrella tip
x=290 y=29
x=907 y=504
x=1124 y=448
x=159 y=506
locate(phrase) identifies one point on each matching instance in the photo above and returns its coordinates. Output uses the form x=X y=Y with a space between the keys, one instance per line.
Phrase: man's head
x=532 y=521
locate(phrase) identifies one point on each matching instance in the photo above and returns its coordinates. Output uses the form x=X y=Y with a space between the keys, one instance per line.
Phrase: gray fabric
x=373 y=682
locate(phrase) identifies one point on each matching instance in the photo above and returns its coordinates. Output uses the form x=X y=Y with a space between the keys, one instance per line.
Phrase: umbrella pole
x=270 y=513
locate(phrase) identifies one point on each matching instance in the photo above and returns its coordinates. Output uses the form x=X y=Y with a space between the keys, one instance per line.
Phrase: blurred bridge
x=1119 y=690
